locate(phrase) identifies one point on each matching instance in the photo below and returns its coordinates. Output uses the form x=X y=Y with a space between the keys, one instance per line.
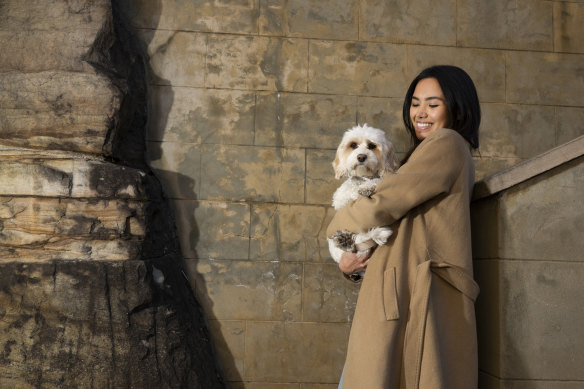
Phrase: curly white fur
x=363 y=157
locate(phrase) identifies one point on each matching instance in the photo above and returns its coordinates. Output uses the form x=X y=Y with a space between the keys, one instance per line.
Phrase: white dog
x=363 y=157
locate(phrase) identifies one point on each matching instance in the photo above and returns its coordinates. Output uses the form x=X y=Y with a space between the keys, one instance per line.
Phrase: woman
x=414 y=324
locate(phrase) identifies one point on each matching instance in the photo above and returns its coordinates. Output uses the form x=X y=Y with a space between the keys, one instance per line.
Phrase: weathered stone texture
x=323 y=299
x=283 y=119
x=568 y=26
x=196 y=115
x=485 y=67
x=71 y=324
x=57 y=110
x=250 y=290
x=569 y=123
x=256 y=63
x=516 y=131
x=292 y=353
x=404 y=21
x=210 y=229
x=539 y=293
x=231 y=16
x=289 y=233
x=517 y=25
x=528 y=246
x=357 y=68
x=559 y=79
x=176 y=56
x=252 y=173
x=328 y=19
x=92 y=293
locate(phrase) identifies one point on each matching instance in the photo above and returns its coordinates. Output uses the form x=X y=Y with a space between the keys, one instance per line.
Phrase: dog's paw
x=380 y=234
x=344 y=240
x=366 y=192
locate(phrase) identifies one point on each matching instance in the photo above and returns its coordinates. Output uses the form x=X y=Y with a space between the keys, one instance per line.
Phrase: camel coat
x=414 y=324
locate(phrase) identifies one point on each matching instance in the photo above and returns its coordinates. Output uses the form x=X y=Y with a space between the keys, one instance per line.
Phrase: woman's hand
x=352 y=263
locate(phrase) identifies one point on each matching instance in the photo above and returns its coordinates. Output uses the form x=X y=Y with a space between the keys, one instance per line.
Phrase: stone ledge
x=56 y=175
x=530 y=168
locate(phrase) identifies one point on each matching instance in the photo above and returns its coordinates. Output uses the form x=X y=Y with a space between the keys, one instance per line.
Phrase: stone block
x=195 y=115
x=210 y=229
x=175 y=57
x=178 y=166
x=517 y=25
x=295 y=352
x=485 y=67
x=541 y=294
x=569 y=126
x=34 y=221
x=51 y=15
x=252 y=173
x=231 y=16
x=358 y=68
x=249 y=290
x=545 y=78
x=289 y=233
x=52 y=175
x=385 y=114
x=229 y=340
x=303 y=120
x=405 y=21
x=39 y=51
x=57 y=110
x=265 y=385
x=568 y=26
x=516 y=131
x=49 y=35
x=320 y=177
x=326 y=295
x=58 y=318
x=329 y=19
x=257 y=63
x=544 y=216
x=486 y=166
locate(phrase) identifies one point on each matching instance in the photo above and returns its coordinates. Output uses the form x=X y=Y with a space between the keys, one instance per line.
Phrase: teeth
x=423 y=124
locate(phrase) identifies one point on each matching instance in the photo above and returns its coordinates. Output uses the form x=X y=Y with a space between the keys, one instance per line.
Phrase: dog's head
x=364 y=152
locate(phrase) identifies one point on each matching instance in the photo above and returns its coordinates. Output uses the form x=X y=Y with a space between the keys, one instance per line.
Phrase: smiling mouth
x=423 y=126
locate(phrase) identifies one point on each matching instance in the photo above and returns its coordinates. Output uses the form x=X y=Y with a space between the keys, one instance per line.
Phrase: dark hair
x=462 y=102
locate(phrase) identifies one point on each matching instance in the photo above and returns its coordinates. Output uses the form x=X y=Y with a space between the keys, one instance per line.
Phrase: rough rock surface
x=92 y=293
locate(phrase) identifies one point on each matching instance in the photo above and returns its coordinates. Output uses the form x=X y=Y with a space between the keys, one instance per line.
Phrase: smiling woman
x=428 y=110
x=414 y=324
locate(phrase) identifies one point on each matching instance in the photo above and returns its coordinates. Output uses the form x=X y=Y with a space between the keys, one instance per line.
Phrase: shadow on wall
x=171 y=218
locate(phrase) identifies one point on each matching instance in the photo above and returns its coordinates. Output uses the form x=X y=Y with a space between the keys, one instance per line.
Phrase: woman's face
x=428 y=110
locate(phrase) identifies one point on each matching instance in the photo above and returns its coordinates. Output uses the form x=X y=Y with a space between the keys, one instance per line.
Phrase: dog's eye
x=353 y=145
x=371 y=146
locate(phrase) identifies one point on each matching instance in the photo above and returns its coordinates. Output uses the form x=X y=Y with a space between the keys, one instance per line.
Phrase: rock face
x=92 y=293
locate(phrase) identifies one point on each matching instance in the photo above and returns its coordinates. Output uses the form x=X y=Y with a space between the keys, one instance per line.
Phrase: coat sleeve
x=430 y=172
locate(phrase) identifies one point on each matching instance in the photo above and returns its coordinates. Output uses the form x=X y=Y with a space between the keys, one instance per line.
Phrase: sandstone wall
x=248 y=100
x=92 y=292
x=528 y=260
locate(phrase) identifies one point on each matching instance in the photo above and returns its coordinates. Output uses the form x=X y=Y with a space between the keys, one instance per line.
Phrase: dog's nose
x=361 y=157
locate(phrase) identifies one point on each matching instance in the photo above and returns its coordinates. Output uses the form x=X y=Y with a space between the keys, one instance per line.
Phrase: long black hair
x=461 y=98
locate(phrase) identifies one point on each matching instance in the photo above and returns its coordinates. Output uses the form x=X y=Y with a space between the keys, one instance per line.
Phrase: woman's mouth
x=422 y=126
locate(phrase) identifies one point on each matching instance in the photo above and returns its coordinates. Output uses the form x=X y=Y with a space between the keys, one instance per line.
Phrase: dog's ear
x=339 y=170
x=390 y=163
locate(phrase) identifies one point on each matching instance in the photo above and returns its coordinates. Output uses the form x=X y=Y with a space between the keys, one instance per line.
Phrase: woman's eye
x=371 y=146
x=433 y=105
x=353 y=145
x=415 y=105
